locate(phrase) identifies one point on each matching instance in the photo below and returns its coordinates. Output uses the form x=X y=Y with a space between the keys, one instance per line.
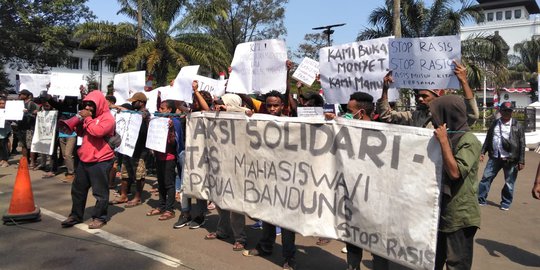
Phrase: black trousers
x=266 y=243
x=455 y=249
x=166 y=176
x=95 y=175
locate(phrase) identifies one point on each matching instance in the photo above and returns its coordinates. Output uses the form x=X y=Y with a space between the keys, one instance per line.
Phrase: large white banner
x=34 y=83
x=425 y=63
x=44 y=132
x=182 y=87
x=213 y=86
x=128 y=126
x=353 y=67
x=67 y=84
x=2 y=118
x=14 y=110
x=151 y=103
x=329 y=179
x=307 y=71
x=259 y=67
x=156 y=138
x=127 y=84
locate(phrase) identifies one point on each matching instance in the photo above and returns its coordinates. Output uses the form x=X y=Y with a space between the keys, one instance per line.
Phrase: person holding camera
x=505 y=143
x=96 y=126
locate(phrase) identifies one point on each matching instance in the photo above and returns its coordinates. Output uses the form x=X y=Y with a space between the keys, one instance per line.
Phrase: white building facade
x=515 y=21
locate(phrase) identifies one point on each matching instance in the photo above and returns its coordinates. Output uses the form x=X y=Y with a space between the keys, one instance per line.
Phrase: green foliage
x=243 y=20
x=91 y=80
x=26 y=25
x=311 y=46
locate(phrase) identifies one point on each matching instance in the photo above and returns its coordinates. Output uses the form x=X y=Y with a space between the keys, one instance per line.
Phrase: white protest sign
x=307 y=71
x=44 y=132
x=2 y=118
x=210 y=85
x=126 y=84
x=66 y=84
x=335 y=180
x=424 y=63
x=151 y=103
x=358 y=66
x=157 y=134
x=34 y=83
x=181 y=89
x=14 y=110
x=259 y=67
x=128 y=126
x=317 y=112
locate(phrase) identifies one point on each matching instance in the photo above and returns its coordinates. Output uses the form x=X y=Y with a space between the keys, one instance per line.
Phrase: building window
x=508 y=15
x=93 y=64
x=517 y=13
x=490 y=17
x=113 y=66
x=74 y=63
x=499 y=15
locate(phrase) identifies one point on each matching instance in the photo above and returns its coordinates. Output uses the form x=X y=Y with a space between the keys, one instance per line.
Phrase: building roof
x=530 y=5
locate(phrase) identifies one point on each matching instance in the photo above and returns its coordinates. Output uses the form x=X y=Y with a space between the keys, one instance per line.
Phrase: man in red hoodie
x=96 y=159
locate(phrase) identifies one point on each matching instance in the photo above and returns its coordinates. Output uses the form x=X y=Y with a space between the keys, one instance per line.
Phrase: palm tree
x=165 y=48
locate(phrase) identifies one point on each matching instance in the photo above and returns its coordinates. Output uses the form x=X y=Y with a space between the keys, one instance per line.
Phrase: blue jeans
x=494 y=165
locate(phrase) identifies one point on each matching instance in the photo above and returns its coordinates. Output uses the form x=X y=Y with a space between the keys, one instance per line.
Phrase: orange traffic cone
x=22 y=208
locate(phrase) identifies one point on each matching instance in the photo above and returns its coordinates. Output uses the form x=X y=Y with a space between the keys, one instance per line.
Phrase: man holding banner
x=25 y=127
x=460 y=212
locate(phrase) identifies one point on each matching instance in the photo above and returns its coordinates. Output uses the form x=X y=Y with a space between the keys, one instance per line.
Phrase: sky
x=300 y=17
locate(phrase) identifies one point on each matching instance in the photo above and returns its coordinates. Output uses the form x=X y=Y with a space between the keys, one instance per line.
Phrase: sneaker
x=278 y=230
x=257 y=225
x=504 y=208
x=197 y=222
x=482 y=204
x=183 y=220
x=344 y=250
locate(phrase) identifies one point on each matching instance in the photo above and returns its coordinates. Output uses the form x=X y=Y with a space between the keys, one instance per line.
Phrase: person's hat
x=25 y=92
x=139 y=96
x=434 y=92
x=506 y=106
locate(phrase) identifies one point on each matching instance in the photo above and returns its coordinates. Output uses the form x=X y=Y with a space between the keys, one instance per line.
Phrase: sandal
x=154 y=212
x=323 y=241
x=213 y=235
x=117 y=201
x=131 y=204
x=166 y=215
x=238 y=246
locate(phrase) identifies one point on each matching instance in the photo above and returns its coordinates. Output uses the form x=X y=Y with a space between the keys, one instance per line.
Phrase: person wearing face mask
x=459 y=211
x=421 y=117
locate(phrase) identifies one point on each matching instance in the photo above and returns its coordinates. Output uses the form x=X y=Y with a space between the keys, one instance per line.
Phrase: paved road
x=507 y=239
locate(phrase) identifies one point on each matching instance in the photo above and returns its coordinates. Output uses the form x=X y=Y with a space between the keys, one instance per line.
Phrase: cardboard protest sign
x=126 y=84
x=259 y=67
x=157 y=134
x=2 y=118
x=307 y=71
x=44 y=132
x=210 y=85
x=34 y=83
x=181 y=89
x=67 y=84
x=335 y=180
x=424 y=63
x=317 y=112
x=358 y=66
x=152 y=96
x=128 y=126
x=14 y=110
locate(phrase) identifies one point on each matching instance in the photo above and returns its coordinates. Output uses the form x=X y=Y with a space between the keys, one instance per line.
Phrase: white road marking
x=145 y=251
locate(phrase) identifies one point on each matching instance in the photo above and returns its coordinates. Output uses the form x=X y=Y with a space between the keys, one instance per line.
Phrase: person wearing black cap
x=25 y=127
x=505 y=143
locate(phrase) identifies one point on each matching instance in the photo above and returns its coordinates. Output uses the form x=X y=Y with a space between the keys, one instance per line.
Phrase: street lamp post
x=328 y=31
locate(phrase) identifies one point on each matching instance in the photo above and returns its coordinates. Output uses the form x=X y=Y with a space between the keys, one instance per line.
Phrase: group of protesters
x=94 y=163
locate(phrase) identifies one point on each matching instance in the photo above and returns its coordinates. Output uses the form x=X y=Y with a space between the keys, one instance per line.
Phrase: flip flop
x=154 y=212
x=116 y=201
x=131 y=204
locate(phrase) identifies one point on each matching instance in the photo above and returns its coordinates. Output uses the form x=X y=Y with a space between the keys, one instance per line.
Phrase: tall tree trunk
x=139 y=23
x=396 y=20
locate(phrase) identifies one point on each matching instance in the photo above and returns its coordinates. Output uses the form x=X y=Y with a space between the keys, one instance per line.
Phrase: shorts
x=136 y=168
x=25 y=138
